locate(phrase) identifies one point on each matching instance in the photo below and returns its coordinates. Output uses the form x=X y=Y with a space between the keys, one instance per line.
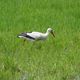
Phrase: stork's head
x=51 y=31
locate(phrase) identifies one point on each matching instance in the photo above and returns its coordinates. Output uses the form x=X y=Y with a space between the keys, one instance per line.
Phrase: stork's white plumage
x=33 y=36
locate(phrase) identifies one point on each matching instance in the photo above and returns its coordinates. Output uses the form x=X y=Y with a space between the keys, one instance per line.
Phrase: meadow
x=54 y=59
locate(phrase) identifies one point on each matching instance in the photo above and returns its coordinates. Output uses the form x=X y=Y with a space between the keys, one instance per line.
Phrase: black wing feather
x=26 y=35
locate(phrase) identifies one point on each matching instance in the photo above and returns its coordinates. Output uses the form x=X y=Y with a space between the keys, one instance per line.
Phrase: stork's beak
x=52 y=33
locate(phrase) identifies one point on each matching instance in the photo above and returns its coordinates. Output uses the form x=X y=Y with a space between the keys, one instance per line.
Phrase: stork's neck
x=47 y=33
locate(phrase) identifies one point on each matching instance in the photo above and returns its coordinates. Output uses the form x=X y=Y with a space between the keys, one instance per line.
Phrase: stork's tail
x=21 y=35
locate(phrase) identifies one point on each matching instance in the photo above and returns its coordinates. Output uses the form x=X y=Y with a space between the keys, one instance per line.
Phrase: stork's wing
x=35 y=35
x=25 y=35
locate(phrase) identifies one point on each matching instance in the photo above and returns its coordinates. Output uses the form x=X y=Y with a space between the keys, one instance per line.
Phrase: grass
x=54 y=59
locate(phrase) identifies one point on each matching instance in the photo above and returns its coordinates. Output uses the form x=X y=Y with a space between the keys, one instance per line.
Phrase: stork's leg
x=24 y=41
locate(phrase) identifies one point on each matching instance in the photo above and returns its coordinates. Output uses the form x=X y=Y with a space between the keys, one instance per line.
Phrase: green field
x=54 y=59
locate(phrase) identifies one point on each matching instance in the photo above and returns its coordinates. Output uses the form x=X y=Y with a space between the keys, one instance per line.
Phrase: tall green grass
x=54 y=59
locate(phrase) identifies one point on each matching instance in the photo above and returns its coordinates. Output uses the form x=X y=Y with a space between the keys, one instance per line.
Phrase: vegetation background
x=54 y=59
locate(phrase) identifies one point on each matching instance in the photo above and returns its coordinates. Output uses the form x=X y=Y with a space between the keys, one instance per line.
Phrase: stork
x=36 y=36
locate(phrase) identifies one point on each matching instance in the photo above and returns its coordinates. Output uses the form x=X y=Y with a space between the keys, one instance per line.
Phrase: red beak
x=52 y=33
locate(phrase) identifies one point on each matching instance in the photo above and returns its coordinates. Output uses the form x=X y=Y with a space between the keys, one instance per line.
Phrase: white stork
x=33 y=36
